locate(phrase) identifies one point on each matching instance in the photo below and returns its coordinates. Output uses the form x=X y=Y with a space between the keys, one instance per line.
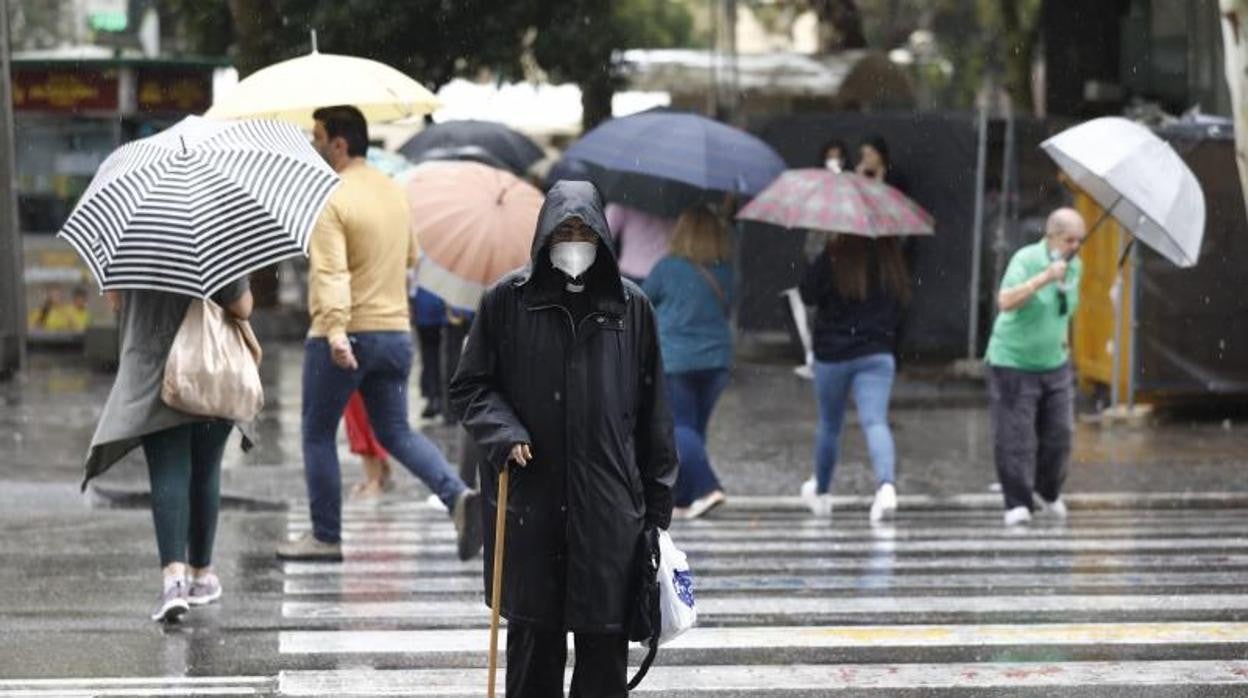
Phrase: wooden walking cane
x=496 y=591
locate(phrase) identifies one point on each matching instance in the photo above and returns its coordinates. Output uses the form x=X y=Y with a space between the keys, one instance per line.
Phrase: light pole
x=12 y=288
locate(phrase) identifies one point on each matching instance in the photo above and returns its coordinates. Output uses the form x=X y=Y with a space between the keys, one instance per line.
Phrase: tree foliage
x=972 y=38
x=579 y=40
x=436 y=40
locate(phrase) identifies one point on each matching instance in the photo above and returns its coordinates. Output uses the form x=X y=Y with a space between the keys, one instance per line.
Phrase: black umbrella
x=465 y=153
x=662 y=197
x=512 y=148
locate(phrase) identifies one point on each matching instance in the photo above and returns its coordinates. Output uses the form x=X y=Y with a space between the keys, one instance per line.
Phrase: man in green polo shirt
x=1030 y=380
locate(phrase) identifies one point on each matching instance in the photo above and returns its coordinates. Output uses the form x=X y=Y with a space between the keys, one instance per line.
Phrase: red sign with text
x=64 y=90
x=182 y=91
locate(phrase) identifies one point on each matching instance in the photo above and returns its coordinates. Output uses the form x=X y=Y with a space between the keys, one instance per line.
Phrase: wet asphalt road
x=77 y=582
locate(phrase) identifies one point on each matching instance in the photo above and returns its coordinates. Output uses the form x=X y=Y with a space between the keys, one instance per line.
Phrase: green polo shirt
x=1035 y=336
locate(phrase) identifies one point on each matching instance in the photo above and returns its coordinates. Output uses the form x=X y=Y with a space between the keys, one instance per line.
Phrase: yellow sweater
x=359 y=255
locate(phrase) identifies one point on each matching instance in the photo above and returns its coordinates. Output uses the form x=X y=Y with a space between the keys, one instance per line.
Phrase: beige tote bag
x=213 y=368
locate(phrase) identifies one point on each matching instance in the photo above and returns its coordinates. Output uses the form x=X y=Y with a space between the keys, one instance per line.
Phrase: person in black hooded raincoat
x=561 y=377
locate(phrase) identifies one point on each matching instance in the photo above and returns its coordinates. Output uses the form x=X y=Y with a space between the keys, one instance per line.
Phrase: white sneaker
x=885 y=504
x=1017 y=516
x=1055 y=508
x=819 y=504
x=702 y=505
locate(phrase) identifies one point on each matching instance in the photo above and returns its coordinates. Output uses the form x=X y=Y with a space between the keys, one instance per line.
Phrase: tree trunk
x=840 y=25
x=596 y=94
x=1020 y=43
x=256 y=23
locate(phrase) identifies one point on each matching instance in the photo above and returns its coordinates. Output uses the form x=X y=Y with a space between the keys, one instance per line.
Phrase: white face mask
x=833 y=164
x=573 y=258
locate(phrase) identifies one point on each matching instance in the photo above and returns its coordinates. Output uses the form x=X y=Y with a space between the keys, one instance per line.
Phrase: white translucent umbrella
x=292 y=89
x=1139 y=180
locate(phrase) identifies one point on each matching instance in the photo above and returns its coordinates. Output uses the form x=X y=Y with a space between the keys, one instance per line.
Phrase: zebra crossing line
x=942 y=599
x=157 y=686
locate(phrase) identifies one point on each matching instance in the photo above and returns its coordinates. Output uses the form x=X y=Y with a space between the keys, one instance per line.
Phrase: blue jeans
x=870 y=378
x=385 y=360
x=693 y=395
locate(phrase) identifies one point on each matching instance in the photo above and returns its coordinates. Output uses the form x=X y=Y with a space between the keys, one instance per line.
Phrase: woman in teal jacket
x=691 y=289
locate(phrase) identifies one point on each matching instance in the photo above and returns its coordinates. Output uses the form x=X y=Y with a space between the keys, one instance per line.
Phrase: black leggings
x=184 y=465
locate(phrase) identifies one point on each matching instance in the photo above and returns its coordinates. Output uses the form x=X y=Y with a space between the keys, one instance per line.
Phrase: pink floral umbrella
x=837 y=202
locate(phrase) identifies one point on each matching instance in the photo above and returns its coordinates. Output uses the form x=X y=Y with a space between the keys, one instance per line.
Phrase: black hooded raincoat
x=590 y=400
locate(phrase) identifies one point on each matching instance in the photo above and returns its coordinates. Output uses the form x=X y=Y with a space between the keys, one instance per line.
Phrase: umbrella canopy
x=292 y=89
x=1139 y=180
x=837 y=202
x=470 y=153
x=475 y=223
x=670 y=156
x=512 y=148
x=200 y=204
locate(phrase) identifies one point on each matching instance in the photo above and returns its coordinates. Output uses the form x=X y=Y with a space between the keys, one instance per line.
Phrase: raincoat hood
x=543 y=283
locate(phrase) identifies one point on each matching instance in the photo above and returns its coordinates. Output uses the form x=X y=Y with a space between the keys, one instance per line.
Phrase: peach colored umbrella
x=474 y=224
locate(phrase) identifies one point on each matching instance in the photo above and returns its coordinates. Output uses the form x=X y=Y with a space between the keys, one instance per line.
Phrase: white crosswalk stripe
x=943 y=598
x=161 y=686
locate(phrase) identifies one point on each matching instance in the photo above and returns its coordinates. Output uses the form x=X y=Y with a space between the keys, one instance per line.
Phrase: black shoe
x=468 y=525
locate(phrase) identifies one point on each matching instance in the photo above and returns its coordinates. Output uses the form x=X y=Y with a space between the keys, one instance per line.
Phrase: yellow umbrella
x=292 y=89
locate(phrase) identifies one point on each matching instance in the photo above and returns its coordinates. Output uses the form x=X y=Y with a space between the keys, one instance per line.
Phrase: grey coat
x=149 y=321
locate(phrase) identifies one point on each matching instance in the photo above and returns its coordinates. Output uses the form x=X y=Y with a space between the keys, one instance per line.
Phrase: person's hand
x=341 y=354
x=521 y=454
x=1056 y=270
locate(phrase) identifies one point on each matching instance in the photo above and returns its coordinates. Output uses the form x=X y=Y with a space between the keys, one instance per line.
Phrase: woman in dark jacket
x=183 y=451
x=562 y=377
x=860 y=287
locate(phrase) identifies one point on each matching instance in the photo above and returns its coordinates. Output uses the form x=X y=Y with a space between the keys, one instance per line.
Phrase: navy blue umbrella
x=450 y=139
x=659 y=160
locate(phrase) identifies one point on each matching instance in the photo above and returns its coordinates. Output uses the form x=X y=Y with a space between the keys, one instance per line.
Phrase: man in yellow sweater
x=361 y=339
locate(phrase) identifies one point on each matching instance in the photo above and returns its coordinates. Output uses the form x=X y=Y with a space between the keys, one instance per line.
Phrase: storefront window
x=56 y=159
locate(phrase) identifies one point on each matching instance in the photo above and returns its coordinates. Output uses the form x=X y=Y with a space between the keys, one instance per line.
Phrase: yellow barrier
x=1093 y=325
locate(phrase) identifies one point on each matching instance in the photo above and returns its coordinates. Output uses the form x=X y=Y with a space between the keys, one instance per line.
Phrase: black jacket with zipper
x=844 y=328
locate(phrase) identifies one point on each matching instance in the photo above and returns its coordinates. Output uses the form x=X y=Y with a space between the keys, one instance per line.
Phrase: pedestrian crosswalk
x=942 y=599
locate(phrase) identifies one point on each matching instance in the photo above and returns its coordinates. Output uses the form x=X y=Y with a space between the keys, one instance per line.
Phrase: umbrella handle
x=1125 y=252
x=1097 y=224
x=496 y=590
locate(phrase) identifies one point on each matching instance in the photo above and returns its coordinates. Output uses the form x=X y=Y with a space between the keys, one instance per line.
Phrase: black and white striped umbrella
x=200 y=204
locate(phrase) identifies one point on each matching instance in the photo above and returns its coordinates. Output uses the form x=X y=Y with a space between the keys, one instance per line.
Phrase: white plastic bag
x=675 y=590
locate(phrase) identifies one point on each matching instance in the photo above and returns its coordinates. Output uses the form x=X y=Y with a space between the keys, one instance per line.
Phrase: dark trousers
x=184 y=465
x=430 y=337
x=536 y=658
x=692 y=395
x=453 y=336
x=385 y=360
x=1033 y=418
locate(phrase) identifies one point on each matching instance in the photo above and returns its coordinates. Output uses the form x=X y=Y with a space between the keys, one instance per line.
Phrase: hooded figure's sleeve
x=475 y=395
x=654 y=437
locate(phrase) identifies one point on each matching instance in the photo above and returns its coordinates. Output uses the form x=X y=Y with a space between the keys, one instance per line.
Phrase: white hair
x=1063 y=220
